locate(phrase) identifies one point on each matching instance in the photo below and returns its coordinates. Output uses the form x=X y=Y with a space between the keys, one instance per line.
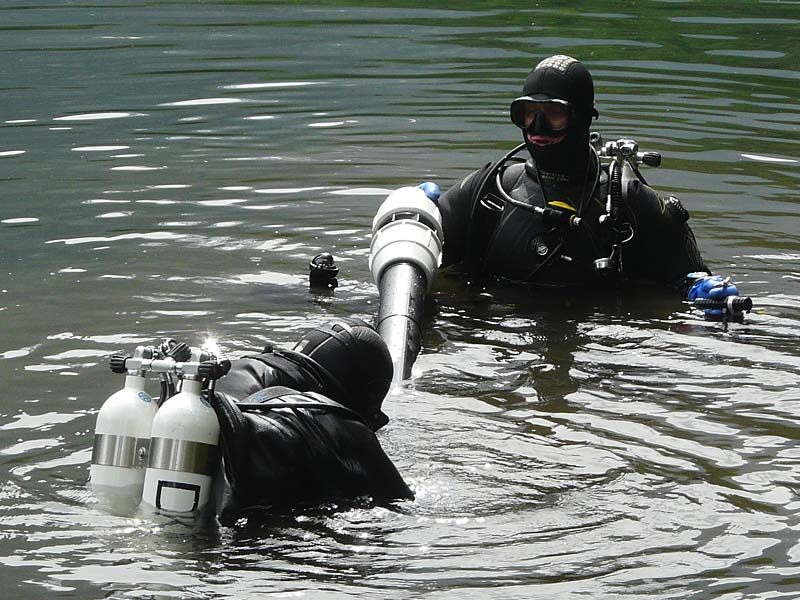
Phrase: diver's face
x=556 y=113
x=545 y=123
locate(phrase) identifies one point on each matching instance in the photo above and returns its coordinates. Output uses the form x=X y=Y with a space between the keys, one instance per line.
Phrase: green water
x=169 y=169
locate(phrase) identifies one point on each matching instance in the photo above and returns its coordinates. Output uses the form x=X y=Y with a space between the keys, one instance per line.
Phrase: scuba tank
x=122 y=435
x=623 y=170
x=184 y=451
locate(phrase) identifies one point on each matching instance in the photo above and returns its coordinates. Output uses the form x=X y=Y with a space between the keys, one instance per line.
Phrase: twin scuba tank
x=167 y=455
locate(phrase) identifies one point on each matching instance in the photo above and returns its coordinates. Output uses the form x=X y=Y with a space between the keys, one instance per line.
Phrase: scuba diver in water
x=297 y=426
x=561 y=217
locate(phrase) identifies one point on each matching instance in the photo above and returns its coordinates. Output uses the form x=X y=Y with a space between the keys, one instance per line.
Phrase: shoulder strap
x=262 y=396
x=275 y=397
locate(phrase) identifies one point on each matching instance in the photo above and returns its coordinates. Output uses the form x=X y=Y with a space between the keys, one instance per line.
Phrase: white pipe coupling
x=407 y=228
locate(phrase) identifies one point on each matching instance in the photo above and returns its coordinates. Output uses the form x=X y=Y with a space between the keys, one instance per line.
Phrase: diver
x=297 y=426
x=561 y=217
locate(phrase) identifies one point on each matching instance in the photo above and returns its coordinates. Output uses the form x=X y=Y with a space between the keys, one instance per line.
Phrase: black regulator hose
x=615 y=188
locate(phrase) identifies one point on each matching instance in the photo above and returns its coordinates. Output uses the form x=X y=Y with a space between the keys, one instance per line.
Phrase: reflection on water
x=170 y=173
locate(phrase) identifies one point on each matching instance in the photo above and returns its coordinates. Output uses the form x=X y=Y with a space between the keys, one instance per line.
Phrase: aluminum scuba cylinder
x=623 y=171
x=184 y=450
x=122 y=436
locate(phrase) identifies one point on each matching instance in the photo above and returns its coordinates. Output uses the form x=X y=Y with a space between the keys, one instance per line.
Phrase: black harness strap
x=275 y=397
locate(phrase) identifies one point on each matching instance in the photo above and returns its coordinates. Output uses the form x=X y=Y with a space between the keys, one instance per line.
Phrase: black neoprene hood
x=560 y=78
x=356 y=356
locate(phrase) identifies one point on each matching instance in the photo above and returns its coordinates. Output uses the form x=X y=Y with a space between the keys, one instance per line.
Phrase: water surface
x=170 y=168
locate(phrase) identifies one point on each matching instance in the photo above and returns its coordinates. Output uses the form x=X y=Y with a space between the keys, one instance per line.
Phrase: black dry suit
x=294 y=431
x=648 y=240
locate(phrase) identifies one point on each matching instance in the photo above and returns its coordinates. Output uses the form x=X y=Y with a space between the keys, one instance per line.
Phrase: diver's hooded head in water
x=356 y=356
x=555 y=112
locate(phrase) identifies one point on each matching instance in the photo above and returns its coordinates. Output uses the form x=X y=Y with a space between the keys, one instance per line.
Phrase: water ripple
x=558 y=446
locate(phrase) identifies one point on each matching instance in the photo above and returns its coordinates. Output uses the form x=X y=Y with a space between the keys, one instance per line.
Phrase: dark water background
x=169 y=168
